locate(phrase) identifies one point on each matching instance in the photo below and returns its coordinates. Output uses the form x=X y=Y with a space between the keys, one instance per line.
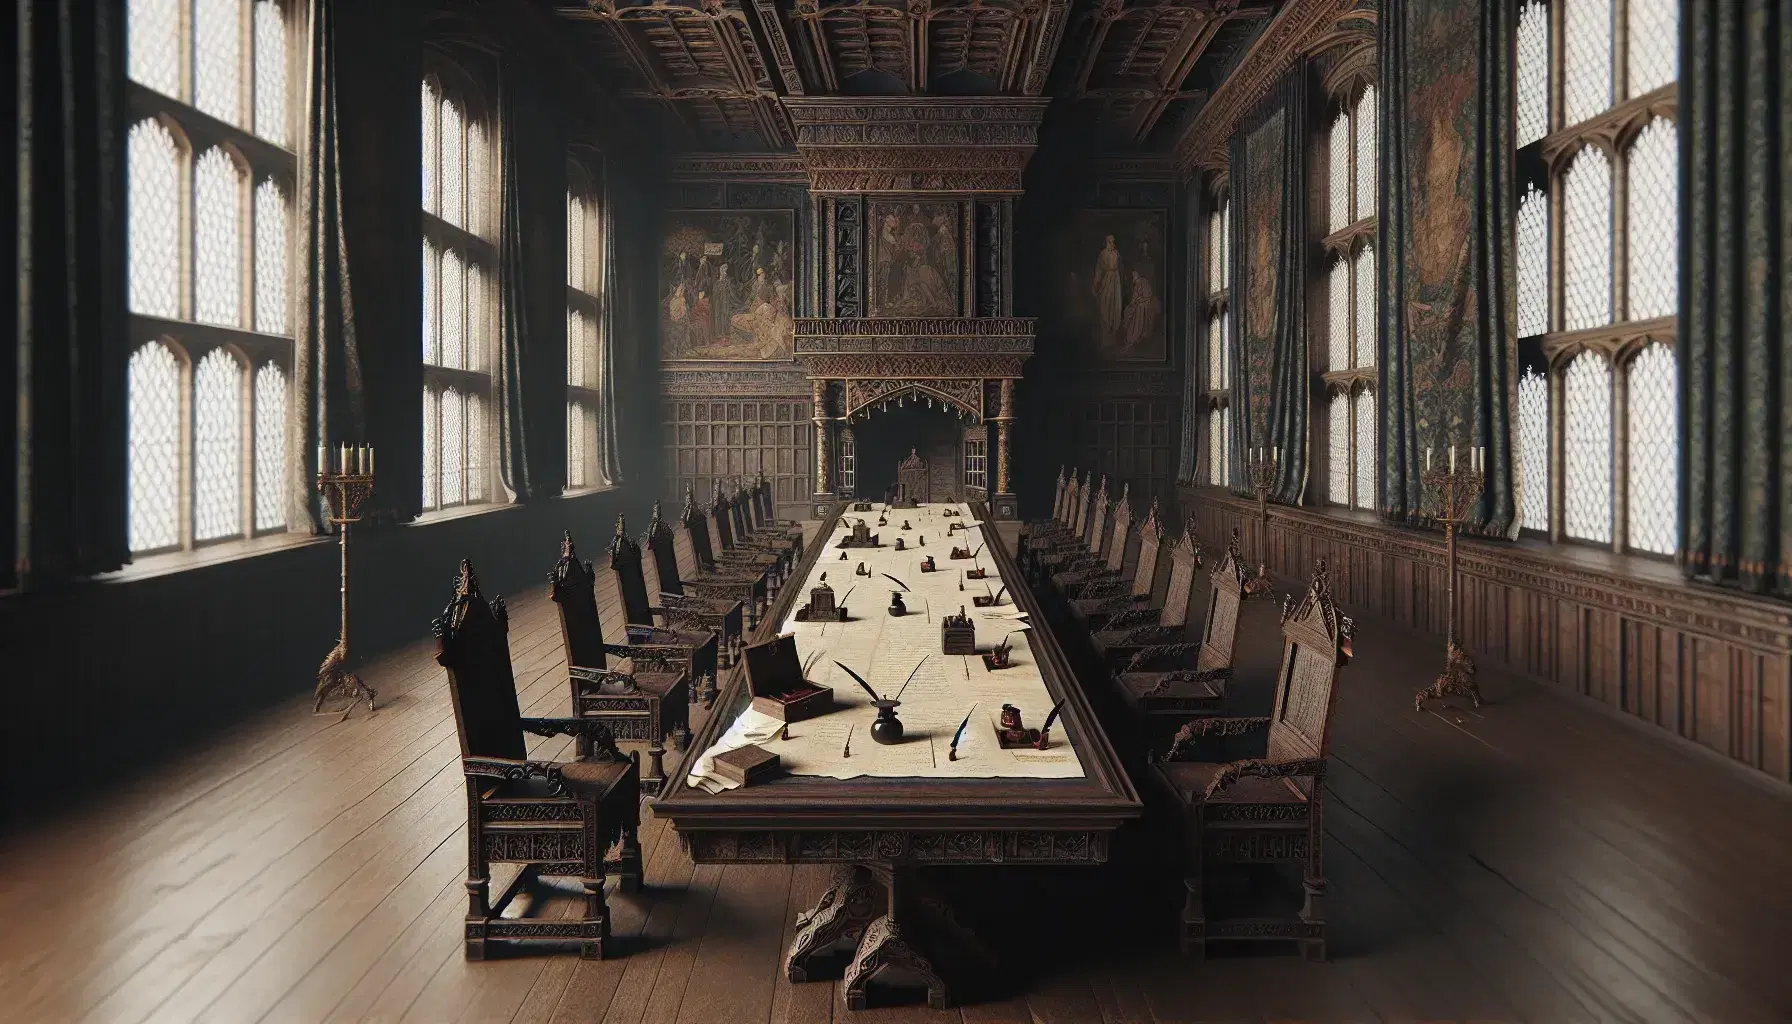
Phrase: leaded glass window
x=1587 y=241
x=1653 y=41
x=1338 y=287
x=1532 y=239
x=217 y=446
x=208 y=243
x=1587 y=448
x=1216 y=249
x=1363 y=125
x=270 y=71
x=1653 y=199
x=584 y=323
x=1216 y=374
x=1532 y=450
x=1586 y=59
x=1363 y=344
x=270 y=448
x=1216 y=472
x=1338 y=422
x=1219 y=339
x=1365 y=449
x=1533 y=73
x=460 y=316
x=155 y=216
x=153 y=381
x=1654 y=481
x=1338 y=161
x=270 y=258
x=575 y=446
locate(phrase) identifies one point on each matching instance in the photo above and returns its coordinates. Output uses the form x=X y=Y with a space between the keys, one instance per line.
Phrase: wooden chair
x=1131 y=631
x=1107 y=564
x=1045 y=536
x=555 y=818
x=1263 y=810
x=648 y=700
x=1031 y=526
x=726 y=547
x=699 y=573
x=1167 y=693
x=1100 y=599
x=755 y=531
x=668 y=605
x=1089 y=516
x=766 y=505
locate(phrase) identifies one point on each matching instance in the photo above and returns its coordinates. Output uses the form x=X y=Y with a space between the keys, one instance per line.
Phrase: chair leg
x=478 y=908
x=1193 y=933
x=1313 y=913
x=630 y=869
x=595 y=929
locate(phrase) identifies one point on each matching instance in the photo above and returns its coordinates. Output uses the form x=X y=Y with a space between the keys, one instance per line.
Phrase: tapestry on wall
x=1112 y=268
x=914 y=259
x=1448 y=359
x=1262 y=221
x=727 y=285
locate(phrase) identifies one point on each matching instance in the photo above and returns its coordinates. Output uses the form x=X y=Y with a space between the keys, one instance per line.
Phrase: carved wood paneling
x=1710 y=666
x=719 y=436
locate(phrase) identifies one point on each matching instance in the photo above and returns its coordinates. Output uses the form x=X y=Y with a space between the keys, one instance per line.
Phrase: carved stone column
x=1002 y=503
x=824 y=448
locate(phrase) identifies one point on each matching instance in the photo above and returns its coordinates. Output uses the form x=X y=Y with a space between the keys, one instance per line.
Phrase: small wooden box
x=775 y=678
x=747 y=765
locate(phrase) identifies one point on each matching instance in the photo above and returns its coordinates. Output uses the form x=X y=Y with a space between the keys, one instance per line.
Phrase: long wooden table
x=881 y=832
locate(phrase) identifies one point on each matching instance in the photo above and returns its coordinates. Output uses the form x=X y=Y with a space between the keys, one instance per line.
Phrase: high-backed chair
x=1130 y=631
x=1104 y=597
x=668 y=605
x=765 y=503
x=1156 y=681
x=1091 y=549
x=1046 y=535
x=753 y=530
x=698 y=570
x=553 y=817
x=1033 y=525
x=1083 y=537
x=1268 y=809
x=725 y=542
x=1109 y=563
x=647 y=696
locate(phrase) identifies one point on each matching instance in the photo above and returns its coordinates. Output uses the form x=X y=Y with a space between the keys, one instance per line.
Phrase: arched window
x=208 y=243
x=460 y=261
x=584 y=328
x=1347 y=360
x=1218 y=256
x=1598 y=187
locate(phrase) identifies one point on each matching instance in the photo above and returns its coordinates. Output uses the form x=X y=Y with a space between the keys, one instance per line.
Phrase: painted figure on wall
x=726 y=282
x=914 y=259
x=1118 y=306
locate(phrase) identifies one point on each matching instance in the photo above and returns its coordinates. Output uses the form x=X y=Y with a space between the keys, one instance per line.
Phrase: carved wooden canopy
x=944 y=359
x=917 y=144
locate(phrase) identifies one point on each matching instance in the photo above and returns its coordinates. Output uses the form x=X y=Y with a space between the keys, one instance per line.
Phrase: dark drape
x=615 y=330
x=62 y=388
x=373 y=79
x=329 y=390
x=1735 y=378
x=1271 y=377
x=531 y=378
x=1446 y=339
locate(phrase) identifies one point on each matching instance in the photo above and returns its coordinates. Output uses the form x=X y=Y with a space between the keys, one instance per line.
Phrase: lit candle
x=1278 y=455
x=1427 y=458
x=342 y=459
x=322 y=457
x=1452 y=458
x=370 y=460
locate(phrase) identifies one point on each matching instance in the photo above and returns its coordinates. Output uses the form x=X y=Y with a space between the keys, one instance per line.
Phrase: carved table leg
x=885 y=946
x=656 y=765
x=840 y=915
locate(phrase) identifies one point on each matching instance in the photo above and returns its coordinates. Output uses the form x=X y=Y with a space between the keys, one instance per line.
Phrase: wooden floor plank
x=739 y=940
x=810 y=1002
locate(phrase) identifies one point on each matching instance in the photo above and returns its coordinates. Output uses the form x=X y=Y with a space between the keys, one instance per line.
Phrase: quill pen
x=893 y=579
x=911 y=675
x=999 y=594
x=952 y=751
x=861 y=681
x=1045 y=730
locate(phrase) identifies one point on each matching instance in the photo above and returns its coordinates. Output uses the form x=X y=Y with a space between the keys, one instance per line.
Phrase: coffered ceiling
x=708 y=75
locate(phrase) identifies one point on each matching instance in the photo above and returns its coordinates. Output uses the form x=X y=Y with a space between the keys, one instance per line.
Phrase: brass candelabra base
x=1457 y=678
x=335 y=680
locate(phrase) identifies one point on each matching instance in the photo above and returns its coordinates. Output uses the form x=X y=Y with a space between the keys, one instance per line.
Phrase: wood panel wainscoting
x=1713 y=667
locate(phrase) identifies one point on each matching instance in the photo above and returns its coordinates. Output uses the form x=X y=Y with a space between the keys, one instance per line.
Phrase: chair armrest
x=1145 y=655
x=1168 y=680
x=593 y=729
x=598 y=677
x=1131 y=617
x=1254 y=768
x=1182 y=748
x=510 y=768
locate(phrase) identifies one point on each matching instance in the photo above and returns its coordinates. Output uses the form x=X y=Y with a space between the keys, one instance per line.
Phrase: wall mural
x=1262 y=264
x=1113 y=274
x=727 y=284
x=914 y=259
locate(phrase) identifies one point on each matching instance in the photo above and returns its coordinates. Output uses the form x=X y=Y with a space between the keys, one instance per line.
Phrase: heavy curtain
x=613 y=329
x=1735 y=378
x=63 y=458
x=1270 y=243
x=1446 y=340
x=357 y=372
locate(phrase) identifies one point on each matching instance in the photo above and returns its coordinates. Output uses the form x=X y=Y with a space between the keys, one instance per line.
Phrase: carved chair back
x=911 y=478
x=1312 y=651
x=1119 y=535
x=1185 y=558
x=1067 y=509
x=1085 y=507
x=473 y=644
x=1151 y=539
x=721 y=538
x=767 y=502
x=1219 y=634
x=742 y=507
x=1058 y=497
x=621 y=590
x=573 y=587
x=1096 y=524
x=690 y=540
x=659 y=562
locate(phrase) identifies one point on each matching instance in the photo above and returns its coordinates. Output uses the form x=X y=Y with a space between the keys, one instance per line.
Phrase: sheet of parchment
x=885 y=649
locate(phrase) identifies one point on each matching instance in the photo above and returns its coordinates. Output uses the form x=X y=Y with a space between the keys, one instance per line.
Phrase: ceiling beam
x=1045 y=51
